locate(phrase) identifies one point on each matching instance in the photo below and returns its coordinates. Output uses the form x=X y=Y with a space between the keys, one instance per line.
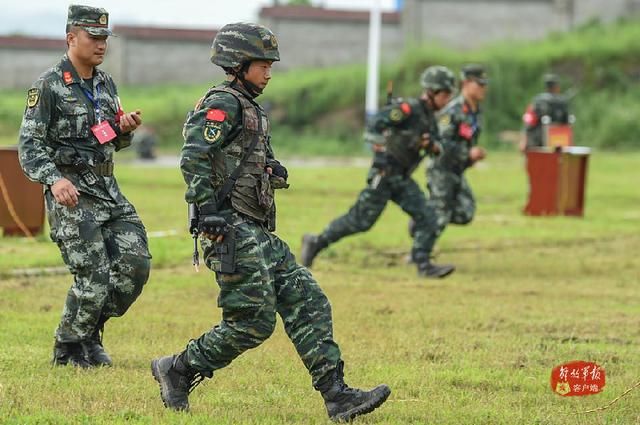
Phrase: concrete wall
x=305 y=43
x=19 y=68
x=146 y=61
x=472 y=23
x=315 y=38
x=605 y=10
x=129 y=60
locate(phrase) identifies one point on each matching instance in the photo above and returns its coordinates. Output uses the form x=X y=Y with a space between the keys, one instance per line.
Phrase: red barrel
x=21 y=200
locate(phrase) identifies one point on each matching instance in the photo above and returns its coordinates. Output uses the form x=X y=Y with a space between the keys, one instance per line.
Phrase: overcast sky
x=48 y=17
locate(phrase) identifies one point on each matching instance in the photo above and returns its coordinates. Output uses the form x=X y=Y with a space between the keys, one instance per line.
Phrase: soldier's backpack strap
x=228 y=184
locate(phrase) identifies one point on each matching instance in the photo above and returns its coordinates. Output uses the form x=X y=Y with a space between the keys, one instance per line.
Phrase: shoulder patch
x=444 y=120
x=395 y=115
x=406 y=108
x=217 y=115
x=33 y=95
x=212 y=131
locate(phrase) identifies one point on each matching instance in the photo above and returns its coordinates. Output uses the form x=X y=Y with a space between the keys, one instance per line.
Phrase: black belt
x=101 y=169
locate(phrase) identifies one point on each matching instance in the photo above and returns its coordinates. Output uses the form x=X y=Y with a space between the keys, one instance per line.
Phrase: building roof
x=161 y=33
x=321 y=14
x=22 y=42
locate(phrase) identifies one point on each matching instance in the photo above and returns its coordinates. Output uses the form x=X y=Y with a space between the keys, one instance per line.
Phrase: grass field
x=476 y=348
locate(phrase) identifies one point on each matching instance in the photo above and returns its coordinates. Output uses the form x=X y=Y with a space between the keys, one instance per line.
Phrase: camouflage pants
x=104 y=244
x=267 y=280
x=406 y=193
x=451 y=198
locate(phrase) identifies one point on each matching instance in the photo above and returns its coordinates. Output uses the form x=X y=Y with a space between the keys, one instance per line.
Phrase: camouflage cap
x=237 y=43
x=475 y=72
x=94 y=20
x=438 y=78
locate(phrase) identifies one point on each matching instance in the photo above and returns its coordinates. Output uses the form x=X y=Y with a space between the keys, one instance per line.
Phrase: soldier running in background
x=401 y=134
x=460 y=124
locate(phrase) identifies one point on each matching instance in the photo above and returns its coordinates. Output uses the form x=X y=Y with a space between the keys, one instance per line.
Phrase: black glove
x=212 y=225
x=279 y=170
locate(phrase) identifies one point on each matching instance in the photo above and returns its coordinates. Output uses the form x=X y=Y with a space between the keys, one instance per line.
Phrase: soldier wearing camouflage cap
x=551 y=104
x=460 y=125
x=93 y=20
x=72 y=125
x=401 y=135
x=231 y=173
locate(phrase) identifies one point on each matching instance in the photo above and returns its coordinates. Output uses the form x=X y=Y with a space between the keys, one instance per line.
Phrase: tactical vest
x=403 y=144
x=252 y=195
x=554 y=106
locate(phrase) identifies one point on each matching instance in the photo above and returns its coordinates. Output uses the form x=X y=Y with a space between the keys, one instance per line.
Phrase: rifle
x=380 y=160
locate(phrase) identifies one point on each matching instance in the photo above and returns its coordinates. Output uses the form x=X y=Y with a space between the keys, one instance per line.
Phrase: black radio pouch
x=226 y=251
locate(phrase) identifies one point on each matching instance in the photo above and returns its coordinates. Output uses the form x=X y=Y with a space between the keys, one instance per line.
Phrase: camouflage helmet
x=438 y=78
x=238 y=43
x=551 y=79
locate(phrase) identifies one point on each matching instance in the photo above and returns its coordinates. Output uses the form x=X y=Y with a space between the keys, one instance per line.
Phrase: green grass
x=476 y=348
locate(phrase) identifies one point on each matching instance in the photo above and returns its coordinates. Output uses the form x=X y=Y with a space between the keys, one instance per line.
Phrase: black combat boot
x=426 y=268
x=177 y=379
x=70 y=353
x=96 y=354
x=345 y=403
x=433 y=270
x=311 y=246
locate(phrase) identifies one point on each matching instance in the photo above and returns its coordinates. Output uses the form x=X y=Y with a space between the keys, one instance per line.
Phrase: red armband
x=465 y=131
x=530 y=118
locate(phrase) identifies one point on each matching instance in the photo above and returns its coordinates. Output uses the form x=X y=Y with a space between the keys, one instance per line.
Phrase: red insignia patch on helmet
x=406 y=108
x=217 y=115
x=465 y=131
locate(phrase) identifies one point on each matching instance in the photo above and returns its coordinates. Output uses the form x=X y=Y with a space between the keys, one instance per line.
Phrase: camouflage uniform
x=547 y=104
x=267 y=279
x=264 y=278
x=450 y=193
x=397 y=133
x=400 y=127
x=102 y=240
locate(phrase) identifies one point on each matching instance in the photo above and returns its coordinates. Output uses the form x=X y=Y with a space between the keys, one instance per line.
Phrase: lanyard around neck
x=95 y=101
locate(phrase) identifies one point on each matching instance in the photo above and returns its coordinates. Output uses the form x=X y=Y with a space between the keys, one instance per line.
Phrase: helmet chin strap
x=253 y=90
x=429 y=98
